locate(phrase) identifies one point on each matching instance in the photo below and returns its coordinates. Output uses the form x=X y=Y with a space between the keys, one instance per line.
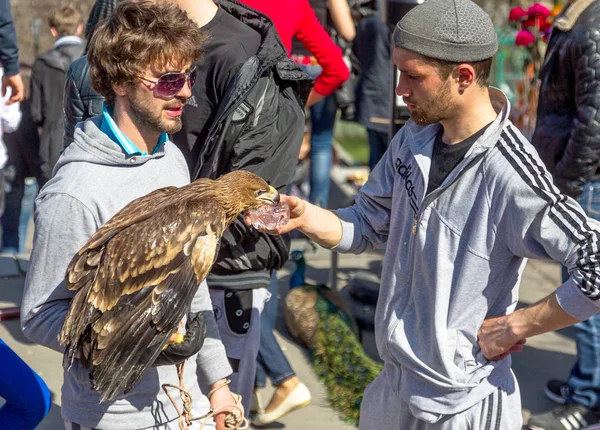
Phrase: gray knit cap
x=451 y=30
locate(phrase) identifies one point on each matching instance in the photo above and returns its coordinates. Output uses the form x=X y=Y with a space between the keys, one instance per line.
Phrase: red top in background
x=297 y=18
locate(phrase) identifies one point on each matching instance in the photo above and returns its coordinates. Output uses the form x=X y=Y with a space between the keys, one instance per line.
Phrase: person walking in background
x=9 y=59
x=296 y=19
x=261 y=133
x=9 y=55
x=10 y=118
x=27 y=396
x=48 y=82
x=293 y=18
x=567 y=137
x=21 y=174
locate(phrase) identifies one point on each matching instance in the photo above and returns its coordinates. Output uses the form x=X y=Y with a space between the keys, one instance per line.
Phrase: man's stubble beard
x=144 y=118
x=439 y=110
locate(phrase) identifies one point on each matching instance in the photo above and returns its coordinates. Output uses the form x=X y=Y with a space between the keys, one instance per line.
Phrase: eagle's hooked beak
x=270 y=197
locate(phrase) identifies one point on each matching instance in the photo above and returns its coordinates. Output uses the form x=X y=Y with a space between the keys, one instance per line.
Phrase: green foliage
x=341 y=362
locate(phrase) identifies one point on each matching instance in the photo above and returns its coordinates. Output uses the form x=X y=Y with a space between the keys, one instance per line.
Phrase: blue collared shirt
x=110 y=128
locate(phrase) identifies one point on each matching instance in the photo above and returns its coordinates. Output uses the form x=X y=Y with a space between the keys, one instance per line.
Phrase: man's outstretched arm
x=320 y=225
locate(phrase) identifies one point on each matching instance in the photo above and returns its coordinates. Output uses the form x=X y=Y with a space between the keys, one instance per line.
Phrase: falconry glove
x=195 y=333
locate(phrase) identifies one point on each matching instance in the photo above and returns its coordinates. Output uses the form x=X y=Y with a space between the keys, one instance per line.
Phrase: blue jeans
x=271 y=360
x=27 y=396
x=378 y=144
x=322 y=118
x=584 y=380
x=17 y=214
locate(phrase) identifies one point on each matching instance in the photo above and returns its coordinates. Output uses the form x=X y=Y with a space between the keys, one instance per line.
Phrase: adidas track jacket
x=455 y=257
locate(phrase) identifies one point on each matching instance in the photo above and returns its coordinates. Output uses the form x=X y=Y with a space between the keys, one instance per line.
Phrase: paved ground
x=547 y=356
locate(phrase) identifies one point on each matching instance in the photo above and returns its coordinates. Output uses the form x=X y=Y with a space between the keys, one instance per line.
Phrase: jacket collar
x=68 y=40
x=421 y=139
x=569 y=17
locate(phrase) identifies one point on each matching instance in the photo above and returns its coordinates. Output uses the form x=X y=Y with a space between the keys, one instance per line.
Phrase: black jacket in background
x=567 y=133
x=80 y=100
x=47 y=86
x=259 y=126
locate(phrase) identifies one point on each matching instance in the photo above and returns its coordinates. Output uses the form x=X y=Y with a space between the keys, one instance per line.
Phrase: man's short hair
x=65 y=20
x=138 y=36
x=445 y=68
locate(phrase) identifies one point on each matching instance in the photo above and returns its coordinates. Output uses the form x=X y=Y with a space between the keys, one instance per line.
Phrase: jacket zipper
x=411 y=244
x=435 y=194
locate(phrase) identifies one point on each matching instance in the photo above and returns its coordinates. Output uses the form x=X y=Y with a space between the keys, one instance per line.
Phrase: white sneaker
x=298 y=398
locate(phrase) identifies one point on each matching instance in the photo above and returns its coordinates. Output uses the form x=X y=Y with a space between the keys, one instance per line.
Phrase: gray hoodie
x=93 y=180
x=456 y=256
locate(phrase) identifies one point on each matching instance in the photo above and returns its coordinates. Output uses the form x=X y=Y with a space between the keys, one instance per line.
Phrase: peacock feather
x=338 y=357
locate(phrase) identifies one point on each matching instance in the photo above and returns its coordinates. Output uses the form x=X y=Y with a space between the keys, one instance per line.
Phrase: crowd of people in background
x=258 y=85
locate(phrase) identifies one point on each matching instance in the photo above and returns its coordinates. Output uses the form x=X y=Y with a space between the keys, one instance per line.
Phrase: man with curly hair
x=141 y=63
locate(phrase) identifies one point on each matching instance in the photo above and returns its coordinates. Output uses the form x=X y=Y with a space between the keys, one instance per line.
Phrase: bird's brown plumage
x=137 y=275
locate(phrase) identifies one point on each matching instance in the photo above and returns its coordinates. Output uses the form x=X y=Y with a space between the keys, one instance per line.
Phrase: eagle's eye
x=259 y=192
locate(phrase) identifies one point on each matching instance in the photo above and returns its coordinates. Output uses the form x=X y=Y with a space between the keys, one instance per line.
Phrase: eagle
x=137 y=275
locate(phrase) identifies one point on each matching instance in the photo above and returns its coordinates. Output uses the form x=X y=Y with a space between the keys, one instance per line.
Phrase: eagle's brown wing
x=142 y=208
x=138 y=210
x=135 y=288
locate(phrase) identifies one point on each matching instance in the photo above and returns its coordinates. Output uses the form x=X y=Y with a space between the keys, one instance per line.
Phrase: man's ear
x=120 y=89
x=79 y=31
x=466 y=76
x=54 y=32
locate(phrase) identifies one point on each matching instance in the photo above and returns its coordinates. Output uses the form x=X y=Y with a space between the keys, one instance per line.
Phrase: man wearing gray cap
x=463 y=200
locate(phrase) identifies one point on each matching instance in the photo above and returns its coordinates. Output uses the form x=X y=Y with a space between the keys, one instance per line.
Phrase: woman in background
x=297 y=18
